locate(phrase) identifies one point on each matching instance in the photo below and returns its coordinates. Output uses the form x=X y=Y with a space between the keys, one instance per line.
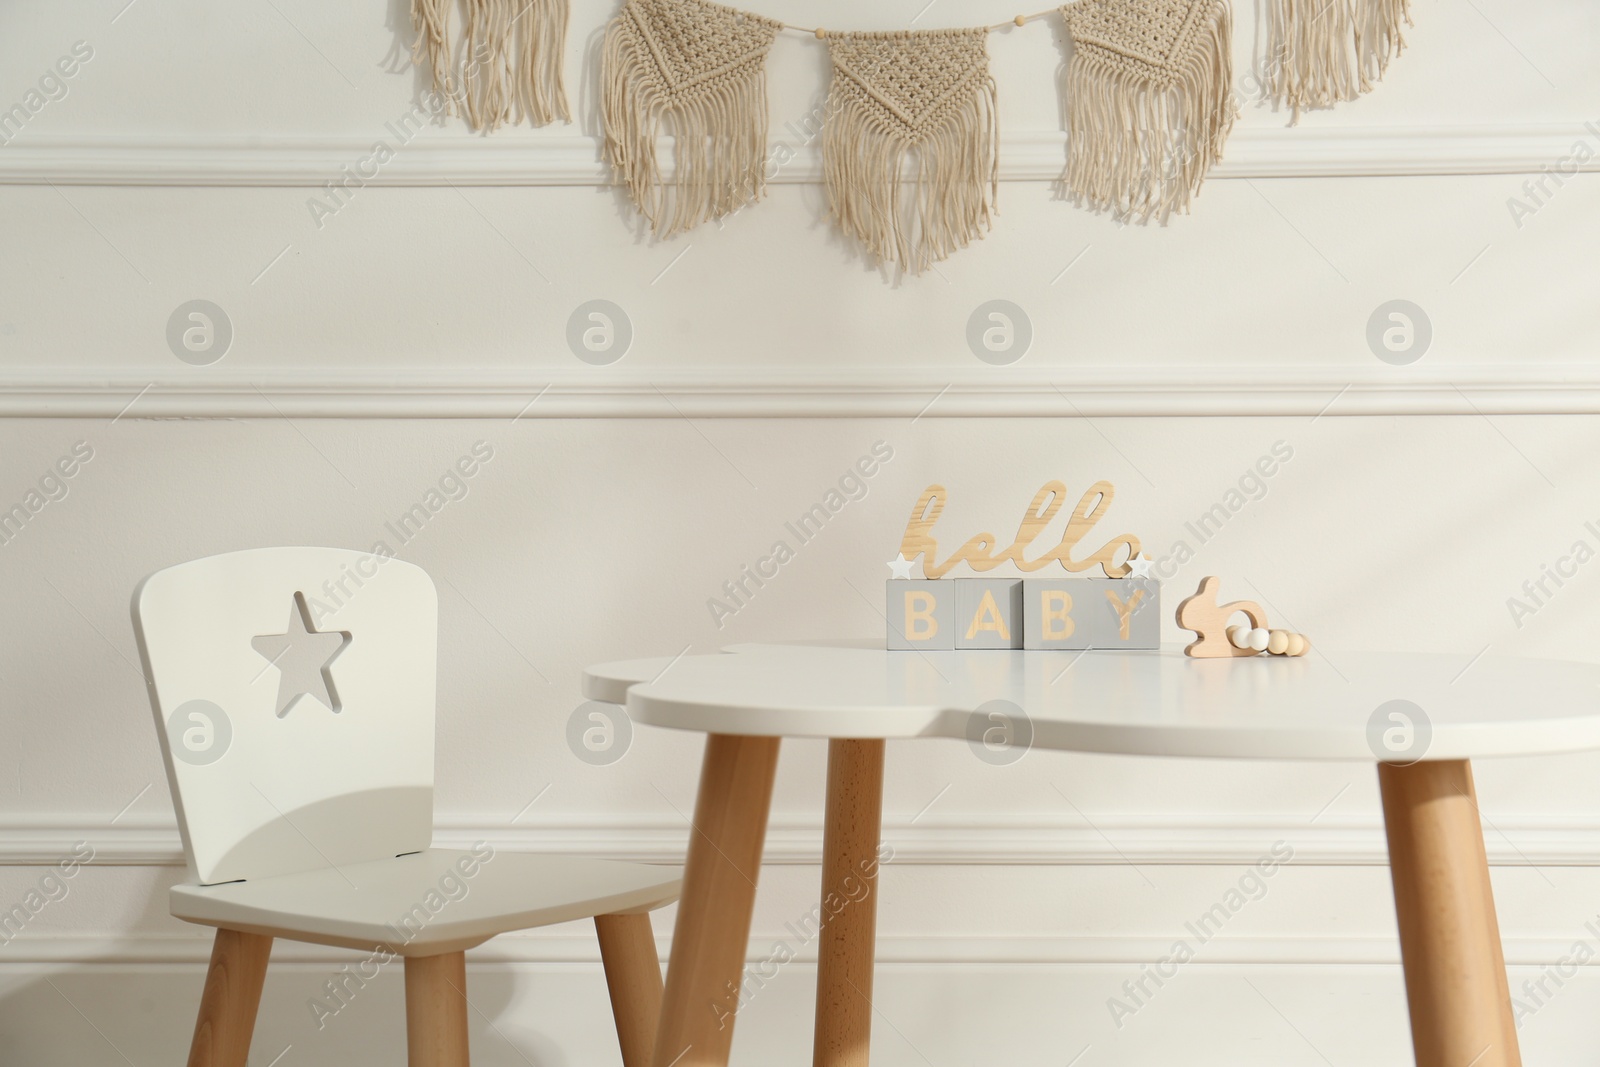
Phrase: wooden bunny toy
x=1217 y=640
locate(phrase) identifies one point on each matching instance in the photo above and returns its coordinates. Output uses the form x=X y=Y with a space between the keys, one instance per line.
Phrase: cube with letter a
x=921 y=613
x=988 y=612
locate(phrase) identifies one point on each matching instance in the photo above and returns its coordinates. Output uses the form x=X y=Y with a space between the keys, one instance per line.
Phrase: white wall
x=616 y=505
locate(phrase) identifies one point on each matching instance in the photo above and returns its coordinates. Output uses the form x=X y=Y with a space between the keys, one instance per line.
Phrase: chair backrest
x=267 y=777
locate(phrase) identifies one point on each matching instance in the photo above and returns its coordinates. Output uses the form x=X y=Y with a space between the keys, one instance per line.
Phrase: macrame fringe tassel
x=1323 y=51
x=510 y=62
x=1142 y=150
x=719 y=138
x=946 y=203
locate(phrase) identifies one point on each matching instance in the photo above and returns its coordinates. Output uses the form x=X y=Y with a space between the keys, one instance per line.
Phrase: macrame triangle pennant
x=509 y=63
x=923 y=99
x=1320 y=52
x=700 y=69
x=1149 y=104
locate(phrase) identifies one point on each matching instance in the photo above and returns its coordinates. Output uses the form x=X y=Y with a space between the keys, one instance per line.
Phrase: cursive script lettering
x=979 y=551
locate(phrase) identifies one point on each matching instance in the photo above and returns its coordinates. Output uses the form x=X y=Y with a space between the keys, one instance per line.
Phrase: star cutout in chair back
x=303 y=657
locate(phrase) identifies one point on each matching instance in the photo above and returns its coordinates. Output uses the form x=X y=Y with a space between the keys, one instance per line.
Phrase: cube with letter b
x=921 y=613
x=1080 y=613
x=988 y=612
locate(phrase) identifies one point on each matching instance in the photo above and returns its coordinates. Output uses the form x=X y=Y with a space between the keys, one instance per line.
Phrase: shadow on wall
x=399 y=60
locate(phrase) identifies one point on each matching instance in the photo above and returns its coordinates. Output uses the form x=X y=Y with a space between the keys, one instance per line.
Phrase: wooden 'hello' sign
x=979 y=551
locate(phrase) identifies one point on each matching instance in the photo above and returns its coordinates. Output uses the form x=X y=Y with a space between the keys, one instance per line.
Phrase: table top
x=1389 y=706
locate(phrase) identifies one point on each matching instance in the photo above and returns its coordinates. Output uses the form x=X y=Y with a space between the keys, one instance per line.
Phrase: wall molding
x=825 y=392
x=1111 y=840
x=960 y=950
x=1265 y=151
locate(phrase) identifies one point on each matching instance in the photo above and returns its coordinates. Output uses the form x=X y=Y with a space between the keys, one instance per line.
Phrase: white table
x=1132 y=703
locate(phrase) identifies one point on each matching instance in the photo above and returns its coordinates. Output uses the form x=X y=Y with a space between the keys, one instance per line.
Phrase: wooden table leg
x=1449 y=937
x=849 y=903
x=705 y=970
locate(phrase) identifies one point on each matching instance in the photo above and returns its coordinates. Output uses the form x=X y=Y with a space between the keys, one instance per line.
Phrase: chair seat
x=430 y=902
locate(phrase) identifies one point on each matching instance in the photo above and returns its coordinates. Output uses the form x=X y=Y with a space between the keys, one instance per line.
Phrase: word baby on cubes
x=1042 y=613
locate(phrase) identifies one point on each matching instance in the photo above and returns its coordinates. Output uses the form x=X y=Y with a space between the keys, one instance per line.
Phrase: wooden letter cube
x=988 y=612
x=1049 y=612
x=921 y=613
x=1124 y=613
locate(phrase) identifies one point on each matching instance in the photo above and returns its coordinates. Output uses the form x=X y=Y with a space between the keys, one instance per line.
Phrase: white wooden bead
x=1257 y=639
x=1278 y=642
x=1297 y=645
x=1238 y=636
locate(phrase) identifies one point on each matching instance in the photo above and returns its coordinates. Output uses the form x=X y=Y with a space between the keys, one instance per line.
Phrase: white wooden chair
x=293 y=689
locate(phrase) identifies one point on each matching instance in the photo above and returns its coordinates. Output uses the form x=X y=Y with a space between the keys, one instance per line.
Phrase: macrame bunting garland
x=505 y=67
x=699 y=69
x=921 y=99
x=1149 y=102
x=910 y=140
x=1320 y=52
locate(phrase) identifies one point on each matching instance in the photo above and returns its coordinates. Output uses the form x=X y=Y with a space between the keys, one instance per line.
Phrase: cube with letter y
x=921 y=614
x=1121 y=613
x=988 y=612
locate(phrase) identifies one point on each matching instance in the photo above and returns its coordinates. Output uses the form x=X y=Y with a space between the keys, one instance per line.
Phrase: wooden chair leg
x=232 y=995
x=850 y=903
x=436 y=1010
x=633 y=975
x=705 y=972
x=1449 y=937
